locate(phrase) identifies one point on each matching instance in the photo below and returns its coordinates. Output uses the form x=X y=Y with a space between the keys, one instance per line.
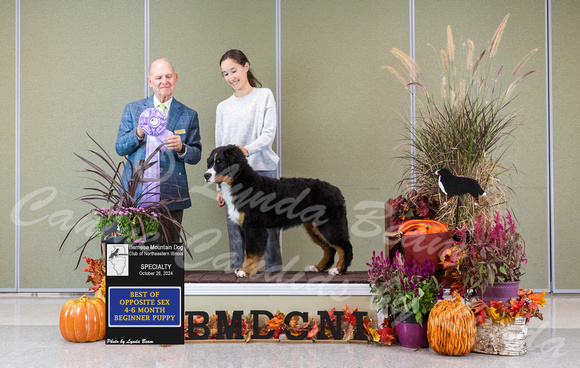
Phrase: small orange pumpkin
x=451 y=329
x=83 y=319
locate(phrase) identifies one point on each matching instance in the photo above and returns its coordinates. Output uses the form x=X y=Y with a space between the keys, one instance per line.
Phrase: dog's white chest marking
x=441 y=186
x=233 y=213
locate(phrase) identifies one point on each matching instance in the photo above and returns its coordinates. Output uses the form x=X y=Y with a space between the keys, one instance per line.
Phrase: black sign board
x=145 y=293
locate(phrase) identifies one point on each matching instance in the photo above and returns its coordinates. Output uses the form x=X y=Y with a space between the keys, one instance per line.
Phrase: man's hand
x=174 y=143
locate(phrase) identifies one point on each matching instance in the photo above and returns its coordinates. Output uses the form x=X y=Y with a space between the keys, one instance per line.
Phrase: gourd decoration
x=414 y=227
x=451 y=329
x=83 y=319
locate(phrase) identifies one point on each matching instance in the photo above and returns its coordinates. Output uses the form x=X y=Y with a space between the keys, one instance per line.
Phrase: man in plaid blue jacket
x=182 y=147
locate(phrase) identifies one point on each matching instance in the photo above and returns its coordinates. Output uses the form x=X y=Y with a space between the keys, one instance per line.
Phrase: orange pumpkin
x=451 y=328
x=414 y=227
x=83 y=319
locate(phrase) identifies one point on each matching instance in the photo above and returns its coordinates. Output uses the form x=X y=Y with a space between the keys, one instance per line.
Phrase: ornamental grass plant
x=465 y=125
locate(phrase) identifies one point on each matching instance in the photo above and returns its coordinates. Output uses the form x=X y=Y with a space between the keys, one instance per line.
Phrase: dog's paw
x=313 y=269
x=241 y=273
x=333 y=271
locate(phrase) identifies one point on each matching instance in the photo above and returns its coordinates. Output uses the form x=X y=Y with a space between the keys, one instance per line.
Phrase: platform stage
x=310 y=292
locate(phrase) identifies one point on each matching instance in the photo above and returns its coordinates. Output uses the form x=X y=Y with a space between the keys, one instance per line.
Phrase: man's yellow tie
x=162 y=108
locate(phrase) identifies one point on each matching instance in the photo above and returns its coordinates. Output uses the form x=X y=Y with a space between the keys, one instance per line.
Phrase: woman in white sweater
x=248 y=120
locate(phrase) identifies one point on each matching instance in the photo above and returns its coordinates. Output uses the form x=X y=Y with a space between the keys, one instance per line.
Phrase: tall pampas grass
x=494 y=45
x=467 y=130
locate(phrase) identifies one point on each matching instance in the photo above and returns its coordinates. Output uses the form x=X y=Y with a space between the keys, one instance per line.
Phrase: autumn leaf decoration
x=96 y=272
x=527 y=305
x=348 y=320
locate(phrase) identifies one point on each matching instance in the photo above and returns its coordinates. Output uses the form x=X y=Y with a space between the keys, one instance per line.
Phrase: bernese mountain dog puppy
x=258 y=203
x=455 y=185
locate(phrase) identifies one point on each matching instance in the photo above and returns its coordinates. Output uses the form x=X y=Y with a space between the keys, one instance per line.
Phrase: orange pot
x=419 y=247
x=422 y=227
x=426 y=239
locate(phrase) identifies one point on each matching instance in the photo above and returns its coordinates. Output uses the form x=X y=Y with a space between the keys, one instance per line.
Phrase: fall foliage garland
x=311 y=330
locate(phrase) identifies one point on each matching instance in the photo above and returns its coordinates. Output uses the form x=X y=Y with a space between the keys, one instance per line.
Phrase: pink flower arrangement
x=493 y=251
x=404 y=285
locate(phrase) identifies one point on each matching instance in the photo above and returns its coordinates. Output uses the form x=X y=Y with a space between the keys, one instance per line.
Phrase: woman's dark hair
x=240 y=58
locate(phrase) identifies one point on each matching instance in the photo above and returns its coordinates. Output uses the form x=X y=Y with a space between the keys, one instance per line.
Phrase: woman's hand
x=245 y=151
x=220 y=199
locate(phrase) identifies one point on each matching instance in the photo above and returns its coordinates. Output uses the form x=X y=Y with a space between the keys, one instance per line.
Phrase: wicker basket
x=496 y=339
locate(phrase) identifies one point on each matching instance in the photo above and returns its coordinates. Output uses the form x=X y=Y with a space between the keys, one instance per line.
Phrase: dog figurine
x=455 y=185
x=259 y=203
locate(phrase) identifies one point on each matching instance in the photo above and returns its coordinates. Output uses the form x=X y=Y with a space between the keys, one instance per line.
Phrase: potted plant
x=131 y=223
x=490 y=258
x=411 y=206
x=411 y=230
x=407 y=290
x=502 y=327
x=123 y=214
x=426 y=240
x=466 y=128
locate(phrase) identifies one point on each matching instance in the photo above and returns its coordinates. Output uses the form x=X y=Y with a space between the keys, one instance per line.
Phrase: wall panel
x=82 y=61
x=566 y=74
x=341 y=113
x=478 y=21
x=194 y=35
x=7 y=141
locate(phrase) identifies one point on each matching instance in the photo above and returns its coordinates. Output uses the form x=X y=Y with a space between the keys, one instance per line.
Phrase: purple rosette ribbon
x=153 y=123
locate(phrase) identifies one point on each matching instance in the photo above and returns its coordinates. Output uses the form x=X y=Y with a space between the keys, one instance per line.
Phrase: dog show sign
x=145 y=300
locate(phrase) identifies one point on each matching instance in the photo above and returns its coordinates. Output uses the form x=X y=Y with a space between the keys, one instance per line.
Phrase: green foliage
x=129 y=221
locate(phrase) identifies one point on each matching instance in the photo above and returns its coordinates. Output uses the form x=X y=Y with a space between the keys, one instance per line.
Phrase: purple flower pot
x=412 y=335
x=499 y=292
